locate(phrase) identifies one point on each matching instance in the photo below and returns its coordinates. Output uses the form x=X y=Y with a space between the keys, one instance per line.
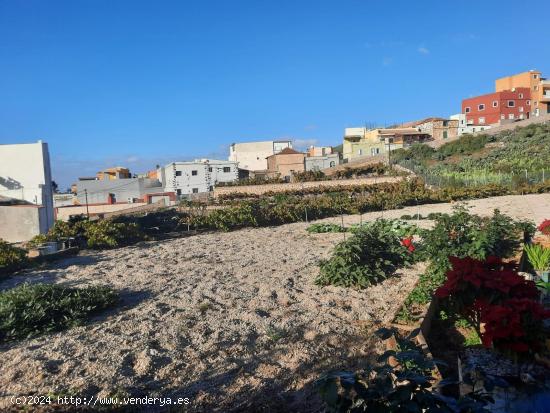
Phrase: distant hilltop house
x=118 y=172
x=437 y=128
x=26 y=206
x=321 y=157
x=515 y=98
x=285 y=163
x=197 y=177
x=359 y=142
x=252 y=156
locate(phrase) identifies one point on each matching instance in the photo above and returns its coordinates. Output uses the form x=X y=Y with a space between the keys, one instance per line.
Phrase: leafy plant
x=368 y=257
x=405 y=385
x=538 y=256
x=493 y=294
x=324 y=228
x=544 y=227
x=29 y=310
x=11 y=258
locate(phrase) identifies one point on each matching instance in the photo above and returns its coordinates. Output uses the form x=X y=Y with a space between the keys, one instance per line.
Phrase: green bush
x=324 y=228
x=371 y=255
x=30 y=310
x=108 y=234
x=11 y=258
x=461 y=235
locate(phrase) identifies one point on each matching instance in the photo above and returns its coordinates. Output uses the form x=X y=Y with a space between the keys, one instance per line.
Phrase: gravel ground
x=231 y=320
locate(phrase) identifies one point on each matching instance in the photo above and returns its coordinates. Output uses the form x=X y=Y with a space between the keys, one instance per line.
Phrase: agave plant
x=538 y=256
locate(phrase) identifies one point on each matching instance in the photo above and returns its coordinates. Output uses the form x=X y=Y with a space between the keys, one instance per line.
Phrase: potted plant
x=539 y=257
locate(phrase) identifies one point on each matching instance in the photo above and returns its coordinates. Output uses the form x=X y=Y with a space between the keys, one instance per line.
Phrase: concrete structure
x=538 y=86
x=25 y=174
x=21 y=222
x=497 y=108
x=285 y=163
x=114 y=191
x=463 y=127
x=63 y=200
x=252 y=156
x=317 y=163
x=118 y=172
x=360 y=142
x=319 y=150
x=437 y=128
x=199 y=176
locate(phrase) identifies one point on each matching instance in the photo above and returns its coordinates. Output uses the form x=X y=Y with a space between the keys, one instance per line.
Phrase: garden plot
x=227 y=319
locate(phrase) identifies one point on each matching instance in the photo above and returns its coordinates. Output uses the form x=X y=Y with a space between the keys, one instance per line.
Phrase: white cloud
x=423 y=50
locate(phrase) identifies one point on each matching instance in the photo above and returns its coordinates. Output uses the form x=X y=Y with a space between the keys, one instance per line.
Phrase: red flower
x=407 y=243
x=544 y=227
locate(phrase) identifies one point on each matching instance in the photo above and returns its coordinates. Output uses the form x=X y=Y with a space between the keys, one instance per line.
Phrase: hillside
x=509 y=158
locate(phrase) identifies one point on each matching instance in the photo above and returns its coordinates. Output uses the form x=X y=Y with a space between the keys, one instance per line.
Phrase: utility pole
x=389 y=141
x=87 y=210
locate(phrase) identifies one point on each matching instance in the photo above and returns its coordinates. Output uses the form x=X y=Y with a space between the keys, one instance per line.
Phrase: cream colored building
x=360 y=142
x=252 y=156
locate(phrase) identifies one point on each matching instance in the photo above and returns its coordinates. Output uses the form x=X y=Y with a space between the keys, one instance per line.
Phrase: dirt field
x=231 y=320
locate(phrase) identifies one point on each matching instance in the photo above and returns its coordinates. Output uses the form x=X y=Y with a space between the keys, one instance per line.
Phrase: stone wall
x=262 y=189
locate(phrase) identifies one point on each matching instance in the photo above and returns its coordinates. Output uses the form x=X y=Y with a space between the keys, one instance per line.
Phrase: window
x=535 y=76
x=535 y=87
x=445 y=123
x=481 y=120
x=194 y=173
x=360 y=152
x=374 y=151
x=211 y=188
x=467 y=109
x=481 y=106
x=178 y=191
x=536 y=103
x=195 y=190
x=511 y=116
x=502 y=116
x=528 y=103
x=511 y=103
x=226 y=169
x=473 y=129
x=178 y=173
x=445 y=134
x=210 y=169
x=332 y=164
x=520 y=95
x=520 y=108
x=495 y=103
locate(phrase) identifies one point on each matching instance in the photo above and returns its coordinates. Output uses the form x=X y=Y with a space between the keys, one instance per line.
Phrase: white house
x=252 y=156
x=199 y=176
x=25 y=175
x=465 y=127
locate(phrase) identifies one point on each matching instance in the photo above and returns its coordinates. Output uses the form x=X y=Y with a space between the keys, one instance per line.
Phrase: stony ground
x=231 y=320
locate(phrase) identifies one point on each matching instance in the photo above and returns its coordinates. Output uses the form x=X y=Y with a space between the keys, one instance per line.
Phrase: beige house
x=286 y=162
x=437 y=128
x=251 y=156
x=360 y=142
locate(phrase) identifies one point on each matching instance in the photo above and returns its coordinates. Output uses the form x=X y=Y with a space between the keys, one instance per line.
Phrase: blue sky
x=138 y=83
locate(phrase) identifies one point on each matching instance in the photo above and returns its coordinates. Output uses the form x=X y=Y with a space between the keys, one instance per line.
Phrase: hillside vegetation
x=513 y=158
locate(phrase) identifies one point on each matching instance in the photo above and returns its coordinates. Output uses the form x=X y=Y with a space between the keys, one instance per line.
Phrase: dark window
x=511 y=103
x=467 y=110
x=211 y=188
x=210 y=169
x=178 y=191
x=195 y=190
x=495 y=103
x=194 y=173
x=178 y=173
x=226 y=169
x=481 y=106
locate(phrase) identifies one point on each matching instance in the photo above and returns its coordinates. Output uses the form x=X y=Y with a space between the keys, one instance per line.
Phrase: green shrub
x=108 y=234
x=370 y=256
x=324 y=228
x=11 y=258
x=461 y=234
x=30 y=310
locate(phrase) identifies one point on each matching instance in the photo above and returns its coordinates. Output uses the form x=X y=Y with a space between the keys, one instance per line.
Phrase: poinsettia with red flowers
x=408 y=243
x=544 y=227
x=492 y=293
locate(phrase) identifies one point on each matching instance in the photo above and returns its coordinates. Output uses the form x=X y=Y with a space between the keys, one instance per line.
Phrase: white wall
x=19 y=223
x=25 y=173
x=178 y=177
x=252 y=155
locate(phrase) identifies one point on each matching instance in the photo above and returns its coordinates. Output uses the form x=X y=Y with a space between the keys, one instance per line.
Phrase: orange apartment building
x=539 y=88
